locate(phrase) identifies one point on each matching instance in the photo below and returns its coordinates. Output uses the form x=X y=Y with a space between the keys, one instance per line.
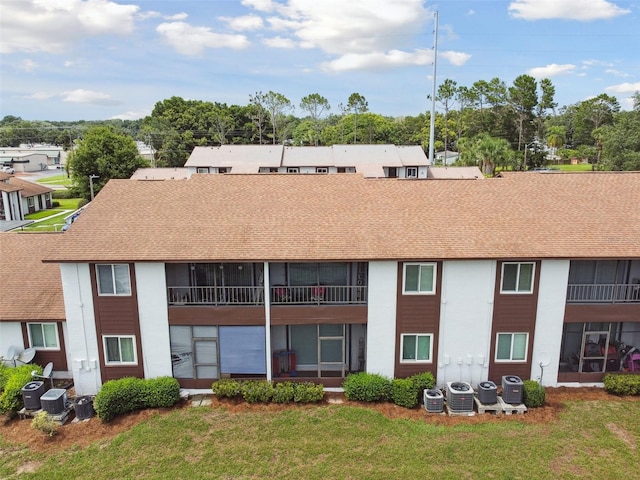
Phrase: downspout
x=267 y=318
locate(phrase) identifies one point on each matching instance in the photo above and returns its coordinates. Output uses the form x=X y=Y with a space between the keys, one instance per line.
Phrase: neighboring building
x=32 y=311
x=446 y=158
x=226 y=275
x=370 y=160
x=19 y=197
x=449 y=173
x=32 y=158
x=175 y=173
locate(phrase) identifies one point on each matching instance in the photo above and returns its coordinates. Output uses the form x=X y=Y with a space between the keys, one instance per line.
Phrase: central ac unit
x=31 y=394
x=512 y=388
x=433 y=400
x=54 y=401
x=459 y=397
x=487 y=393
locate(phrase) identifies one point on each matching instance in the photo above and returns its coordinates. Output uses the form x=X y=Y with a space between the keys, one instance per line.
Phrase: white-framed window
x=120 y=350
x=113 y=279
x=419 y=279
x=223 y=170
x=293 y=169
x=416 y=347
x=322 y=170
x=202 y=170
x=412 y=172
x=517 y=277
x=43 y=336
x=511 y=347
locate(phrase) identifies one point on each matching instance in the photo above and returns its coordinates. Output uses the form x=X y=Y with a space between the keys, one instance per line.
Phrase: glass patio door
x=331 y=350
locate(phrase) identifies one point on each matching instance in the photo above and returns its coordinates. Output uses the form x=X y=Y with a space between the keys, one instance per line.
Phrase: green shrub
x=254 y=391
x=283 y=392
x=82 y=202
x=227 y=388
x=63 y=193
x=307 y=392
x=404 y=392
x=622 y=384
x=16 y=378
x=55 y=204
x=533 y=394
x=161 y=392
x=422 y=381
x=45 y=424
x=367 y=387
x=4 y=375
x=127 y=394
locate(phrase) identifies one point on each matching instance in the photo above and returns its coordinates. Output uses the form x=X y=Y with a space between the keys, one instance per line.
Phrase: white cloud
x=70 y=63
x=260 y=5
x=39 y=96
x=88 y=97
x=244 y=23
x=378 y=61
x=455 y=58
x=189 y=40
x=551 y=70
x=624 y=88
x=279 y=42
x=131 y=115
x=616 y=73
x=55 y=25
x=28 y=65
x=565 y=9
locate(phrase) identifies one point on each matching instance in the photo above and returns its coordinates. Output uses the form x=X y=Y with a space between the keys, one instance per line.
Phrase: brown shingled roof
x=27 y=189
x=347 y=217
x=29 y=289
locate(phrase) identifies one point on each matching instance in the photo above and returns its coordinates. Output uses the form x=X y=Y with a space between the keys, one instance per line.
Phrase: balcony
x=319 y=295
x=603 y=293
x=280 y=295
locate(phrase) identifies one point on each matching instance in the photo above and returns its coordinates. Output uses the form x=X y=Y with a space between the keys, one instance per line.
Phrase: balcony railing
x=603 y=293
x=215 y=295
x=280 y=295
x=325 y=295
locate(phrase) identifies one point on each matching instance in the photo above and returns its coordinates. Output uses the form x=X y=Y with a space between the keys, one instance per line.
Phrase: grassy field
x=581 y=167
x=590 y=439
x=52 y=220
x=61 y=179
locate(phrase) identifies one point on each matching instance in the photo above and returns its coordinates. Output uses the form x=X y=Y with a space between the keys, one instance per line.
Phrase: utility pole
x=432 y=123
x=91 y=177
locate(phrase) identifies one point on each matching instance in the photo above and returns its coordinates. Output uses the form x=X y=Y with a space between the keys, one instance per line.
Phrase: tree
x=357 y=103
x=547 y=93
x=445 y=95
x=276 y=106
x=487 y=152
x=621 y=142
x=258 y=112
x=316 y=105
x=523 y=98
x=105 y=153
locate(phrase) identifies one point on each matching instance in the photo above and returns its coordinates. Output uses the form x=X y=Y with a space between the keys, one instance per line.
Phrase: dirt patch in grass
x=80 y=434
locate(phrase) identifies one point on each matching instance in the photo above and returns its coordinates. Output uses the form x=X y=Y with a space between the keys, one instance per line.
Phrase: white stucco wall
x=10 y=335
x=381 y=318
x=465 y=321
x=554 y=276
x=154 y=319
x=81 y=340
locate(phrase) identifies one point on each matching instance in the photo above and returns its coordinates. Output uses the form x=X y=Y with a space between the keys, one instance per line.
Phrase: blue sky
x=100 y=59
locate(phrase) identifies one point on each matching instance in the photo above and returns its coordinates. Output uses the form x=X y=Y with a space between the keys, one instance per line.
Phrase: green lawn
x=52 y=219
x=590 y=439
x=581 y=167
x=61 y=179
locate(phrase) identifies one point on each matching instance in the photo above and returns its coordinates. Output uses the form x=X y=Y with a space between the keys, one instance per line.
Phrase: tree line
x=489 y=123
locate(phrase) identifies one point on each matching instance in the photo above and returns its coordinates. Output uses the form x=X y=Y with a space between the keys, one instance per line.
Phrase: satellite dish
x=27 y=356
x=48 y=369
x=11 y=353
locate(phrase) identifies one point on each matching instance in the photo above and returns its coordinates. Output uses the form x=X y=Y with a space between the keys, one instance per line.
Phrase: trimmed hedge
x=283 y=392
x=226 y=388
x=14 y=379
x=307 y=392
x=622 y=383
x=367 y=387
x=404 y=392
x=533 y=394
x=128 y=394
x=255 y=391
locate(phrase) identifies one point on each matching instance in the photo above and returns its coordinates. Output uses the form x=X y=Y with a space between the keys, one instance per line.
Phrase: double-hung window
x=517 y=277
x=511 y=347
x=43 y=336
x=419 y=278
x=412 y=172
x=113 y=279
x=416 y=347
x=120 y=349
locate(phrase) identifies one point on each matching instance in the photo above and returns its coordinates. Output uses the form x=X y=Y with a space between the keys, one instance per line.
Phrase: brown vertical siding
x=417 y=314
x=615 y=312
x=117 y=315
x=205 y=315
x=513 y=312
x=57 y=357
